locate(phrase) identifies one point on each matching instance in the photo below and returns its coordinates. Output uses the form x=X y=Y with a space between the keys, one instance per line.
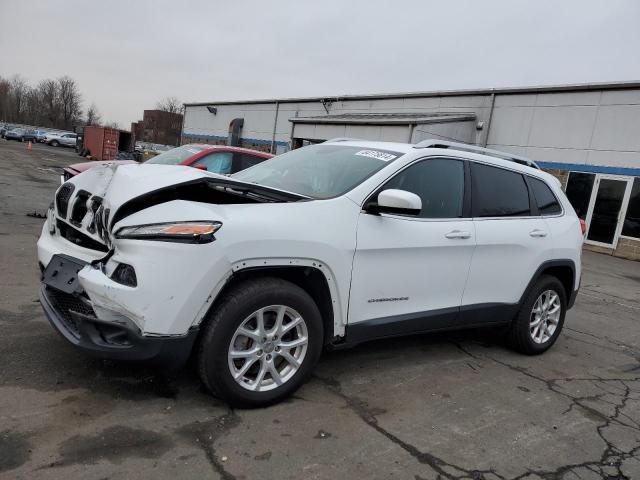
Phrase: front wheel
x=54 y=143
x=260 y=343
x=541 y=317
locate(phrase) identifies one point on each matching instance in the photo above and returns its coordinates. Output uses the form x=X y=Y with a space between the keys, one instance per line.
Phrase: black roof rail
x=465 y=147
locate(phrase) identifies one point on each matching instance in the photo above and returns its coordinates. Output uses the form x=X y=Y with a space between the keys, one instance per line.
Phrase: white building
x=587 y=135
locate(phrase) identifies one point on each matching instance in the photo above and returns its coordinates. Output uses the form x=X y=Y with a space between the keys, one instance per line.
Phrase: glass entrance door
x=603 y=219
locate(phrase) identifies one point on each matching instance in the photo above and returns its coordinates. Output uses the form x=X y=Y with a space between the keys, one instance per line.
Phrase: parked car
x=4 y=129
x=214 y=158
x=41 y=135
x=49 y=136
x=61 y=140
x=20 y=134
x=328 y=245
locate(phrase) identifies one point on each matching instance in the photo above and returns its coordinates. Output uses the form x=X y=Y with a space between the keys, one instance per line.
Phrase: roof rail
x=465 y=147
x=341 y=139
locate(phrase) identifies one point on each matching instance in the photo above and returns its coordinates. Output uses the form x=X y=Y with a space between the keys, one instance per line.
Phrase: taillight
x=583 y=226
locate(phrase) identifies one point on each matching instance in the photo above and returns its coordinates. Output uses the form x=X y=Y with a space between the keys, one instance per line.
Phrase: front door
x=606 y=206
x=409 y=272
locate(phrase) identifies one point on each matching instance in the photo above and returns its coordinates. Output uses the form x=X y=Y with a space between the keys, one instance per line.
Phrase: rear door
x=69 y=139
x=512 y=241
x=409 y=272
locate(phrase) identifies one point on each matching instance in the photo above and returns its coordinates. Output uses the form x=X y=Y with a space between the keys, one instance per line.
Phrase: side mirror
x=200 y=167
x=396 y=201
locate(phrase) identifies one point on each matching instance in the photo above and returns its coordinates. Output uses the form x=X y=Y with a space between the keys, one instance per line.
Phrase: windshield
x=176 y=156
x=319 y=171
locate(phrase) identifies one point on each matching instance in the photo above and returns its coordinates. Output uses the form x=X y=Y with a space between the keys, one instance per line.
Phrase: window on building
x=631 y=227
x=545 y=199
x=579 y=187
x=439 y=183
x=498 y=192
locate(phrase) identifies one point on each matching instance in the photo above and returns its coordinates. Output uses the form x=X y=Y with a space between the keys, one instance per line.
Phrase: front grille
x=80 y=208
x=65 y=303
x=104 y=233
x=62 y=198
x=96 y=202
x=79 y=238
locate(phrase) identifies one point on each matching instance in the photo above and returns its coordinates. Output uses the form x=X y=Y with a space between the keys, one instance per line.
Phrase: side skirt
x=468 y=316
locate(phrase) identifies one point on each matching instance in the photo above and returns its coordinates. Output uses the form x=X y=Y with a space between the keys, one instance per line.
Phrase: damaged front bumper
x=72 y=314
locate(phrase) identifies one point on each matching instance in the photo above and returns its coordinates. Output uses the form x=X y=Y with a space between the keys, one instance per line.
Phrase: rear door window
x=242 y=161
x=497 y=192
x=545 y=199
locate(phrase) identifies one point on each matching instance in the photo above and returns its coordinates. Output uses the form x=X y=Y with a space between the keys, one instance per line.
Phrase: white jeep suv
x=328 y=245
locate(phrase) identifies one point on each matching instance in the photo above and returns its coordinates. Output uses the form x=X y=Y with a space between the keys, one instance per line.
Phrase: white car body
x=379 y=269
x=61 y=138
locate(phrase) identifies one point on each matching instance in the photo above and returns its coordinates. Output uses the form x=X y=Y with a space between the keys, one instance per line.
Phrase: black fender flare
x=565 y=262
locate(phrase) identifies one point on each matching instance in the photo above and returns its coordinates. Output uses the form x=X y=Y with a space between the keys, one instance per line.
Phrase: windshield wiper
x=259 y=191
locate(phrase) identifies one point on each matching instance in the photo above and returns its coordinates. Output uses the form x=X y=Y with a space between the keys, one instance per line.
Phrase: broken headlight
x=185 y=232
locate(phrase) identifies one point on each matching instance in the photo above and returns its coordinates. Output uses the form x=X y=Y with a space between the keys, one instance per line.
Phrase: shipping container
x=105 y=143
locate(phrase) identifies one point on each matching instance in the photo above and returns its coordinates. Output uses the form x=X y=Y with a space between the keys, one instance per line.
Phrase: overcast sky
x=127 y=55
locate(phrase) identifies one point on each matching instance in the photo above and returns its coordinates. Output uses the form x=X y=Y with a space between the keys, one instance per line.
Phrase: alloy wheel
x=268 y=348
x=545 y=316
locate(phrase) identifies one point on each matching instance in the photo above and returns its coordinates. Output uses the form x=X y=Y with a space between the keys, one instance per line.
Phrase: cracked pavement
x=447 y=406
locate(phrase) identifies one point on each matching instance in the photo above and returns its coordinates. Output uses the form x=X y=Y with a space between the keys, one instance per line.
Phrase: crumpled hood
x=93 y=201
x=118 y=183
x=86 y=201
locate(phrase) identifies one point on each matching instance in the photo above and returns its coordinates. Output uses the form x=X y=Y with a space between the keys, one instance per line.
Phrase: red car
x=213 y=158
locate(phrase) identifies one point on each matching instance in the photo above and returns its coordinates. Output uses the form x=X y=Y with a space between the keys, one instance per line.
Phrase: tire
x=220 y=333
x=55 y=143
x=523 y=328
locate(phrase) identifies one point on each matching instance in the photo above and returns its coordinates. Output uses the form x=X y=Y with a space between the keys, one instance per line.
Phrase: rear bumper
x=73 y=318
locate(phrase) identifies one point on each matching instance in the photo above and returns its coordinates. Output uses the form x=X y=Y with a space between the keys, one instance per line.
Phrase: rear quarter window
x=545 y=199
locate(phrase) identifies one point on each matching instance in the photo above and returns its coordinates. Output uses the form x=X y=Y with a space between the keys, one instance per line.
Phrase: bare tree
x=112 y=125
x=170 y=104
x=32 y=111
x=70 y=101
x=19 y=89
x=93 y=115
x=50 y=102
x=5 y=89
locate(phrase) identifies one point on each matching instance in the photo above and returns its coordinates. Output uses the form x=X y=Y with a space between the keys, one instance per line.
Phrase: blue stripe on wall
x=258 y=141
x=574 y=167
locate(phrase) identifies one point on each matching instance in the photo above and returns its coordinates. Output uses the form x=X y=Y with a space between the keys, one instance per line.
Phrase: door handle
x=538 y=233
x=457 y=234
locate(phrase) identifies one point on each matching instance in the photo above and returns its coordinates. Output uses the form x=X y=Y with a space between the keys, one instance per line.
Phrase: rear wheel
x=541 y=317
x=261 y=343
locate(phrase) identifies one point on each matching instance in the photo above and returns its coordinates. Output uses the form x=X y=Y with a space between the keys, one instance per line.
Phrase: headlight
x=186 y=232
